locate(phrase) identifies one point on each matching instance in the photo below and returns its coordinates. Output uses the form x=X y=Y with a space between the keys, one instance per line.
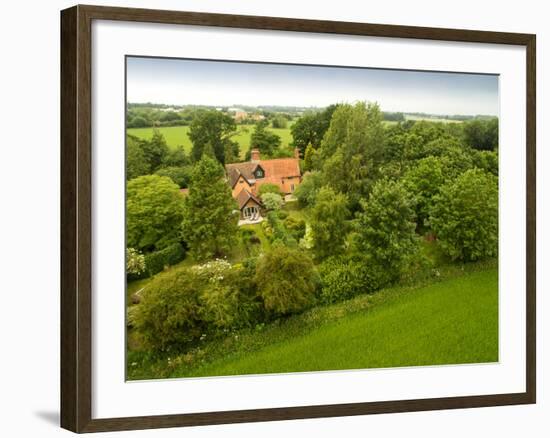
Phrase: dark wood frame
x=76 y=237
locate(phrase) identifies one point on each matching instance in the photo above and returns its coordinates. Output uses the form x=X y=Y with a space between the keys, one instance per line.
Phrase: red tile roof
x=243 y=197
x=275 y=170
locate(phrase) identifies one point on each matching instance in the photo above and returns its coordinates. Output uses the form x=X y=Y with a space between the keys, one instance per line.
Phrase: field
x=429 y=119
x=177 y=135
x=453 y=321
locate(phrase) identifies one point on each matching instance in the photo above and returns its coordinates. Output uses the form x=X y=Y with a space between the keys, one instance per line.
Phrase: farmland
x=177 y=136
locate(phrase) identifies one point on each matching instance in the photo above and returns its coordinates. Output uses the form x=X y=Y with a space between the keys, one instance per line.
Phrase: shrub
x=156 y=261
x=296 y=227
x=168 y=314
x=269 y=188
x=286 y=280
x=281 y=214
x=272 y=201
x=276 y=231
x=343 y=278
x=464 y=216
x=135 y=262
x=225 y=301
x=182 y=305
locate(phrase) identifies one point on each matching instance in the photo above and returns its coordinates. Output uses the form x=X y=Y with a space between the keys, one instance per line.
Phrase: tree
x=311 y=158
x=307 y=191
x=482 y=134
x=213 y=128
x=272 y=201
x=180 y=175
x=279 y=122
x=176 y=158
x=385 y=227
x=352 y=150
x=464 y=216
x=154 y=210
x=486 y=160
x=155 y=150
x=136 y=163
x=286 y=280
x=267 y=142
x=423 y=181
x=328 y=223
x=311 y=127
x=210 y=223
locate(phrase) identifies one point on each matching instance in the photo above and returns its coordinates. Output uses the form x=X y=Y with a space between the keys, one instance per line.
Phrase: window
x=250 y=212
x=259 y=173
x=291 y=188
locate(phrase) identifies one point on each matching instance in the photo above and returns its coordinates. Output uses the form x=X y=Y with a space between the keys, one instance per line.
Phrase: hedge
x=155 y=262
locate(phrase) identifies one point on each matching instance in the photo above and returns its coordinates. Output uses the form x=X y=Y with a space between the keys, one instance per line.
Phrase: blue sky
x=184 y=82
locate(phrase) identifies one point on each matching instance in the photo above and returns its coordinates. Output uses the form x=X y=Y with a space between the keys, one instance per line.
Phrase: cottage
x=246 y=178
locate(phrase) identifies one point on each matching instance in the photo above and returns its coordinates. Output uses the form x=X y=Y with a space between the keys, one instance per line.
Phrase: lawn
x=177 y=136
x=452 y=321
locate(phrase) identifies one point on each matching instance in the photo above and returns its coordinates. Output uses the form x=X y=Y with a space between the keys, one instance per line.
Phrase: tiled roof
x=275 y=170
x=243 y=197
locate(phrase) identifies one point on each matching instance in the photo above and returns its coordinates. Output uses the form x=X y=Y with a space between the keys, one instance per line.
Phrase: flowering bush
x=135 y=261
x=272 y=201
x=213 y=271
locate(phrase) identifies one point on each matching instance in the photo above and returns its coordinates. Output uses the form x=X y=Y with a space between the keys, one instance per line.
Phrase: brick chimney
x=297 y=153
x=255 y=155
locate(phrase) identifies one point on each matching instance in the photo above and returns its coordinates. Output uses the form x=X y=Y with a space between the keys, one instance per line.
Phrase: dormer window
x=259 y=173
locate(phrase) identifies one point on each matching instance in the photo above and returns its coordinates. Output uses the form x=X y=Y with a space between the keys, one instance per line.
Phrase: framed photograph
x=271 y=218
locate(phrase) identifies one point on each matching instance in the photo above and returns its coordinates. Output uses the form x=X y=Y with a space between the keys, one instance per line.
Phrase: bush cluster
x=343 y=278
x=185 y=304
x=156 y=261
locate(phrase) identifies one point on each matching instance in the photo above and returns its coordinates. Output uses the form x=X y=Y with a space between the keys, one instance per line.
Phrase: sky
x=216 y=83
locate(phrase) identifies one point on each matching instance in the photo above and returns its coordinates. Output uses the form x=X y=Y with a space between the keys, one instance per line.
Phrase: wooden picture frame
x=76 y=218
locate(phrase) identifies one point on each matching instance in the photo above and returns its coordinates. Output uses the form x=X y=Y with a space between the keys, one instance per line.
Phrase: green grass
x=452 y=321
x=177 y=136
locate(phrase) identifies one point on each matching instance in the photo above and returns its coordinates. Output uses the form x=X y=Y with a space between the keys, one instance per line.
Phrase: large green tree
x=154 y=211
x=307 y=191
x=353 y=150
x=482 y=134
x=424 y=181
x=329 y=223
x=176 y=158
x=386 y=227
x=180 y=175
x=136 y=163
x=155 y=150
x=210 y=220
x=264 y=140
x=464 y=216
x=311 y=127
x=213 y=128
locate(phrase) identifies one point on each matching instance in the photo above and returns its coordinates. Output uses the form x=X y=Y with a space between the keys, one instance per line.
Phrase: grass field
x=177 y=136
x=428 y=119
x=453 y=321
